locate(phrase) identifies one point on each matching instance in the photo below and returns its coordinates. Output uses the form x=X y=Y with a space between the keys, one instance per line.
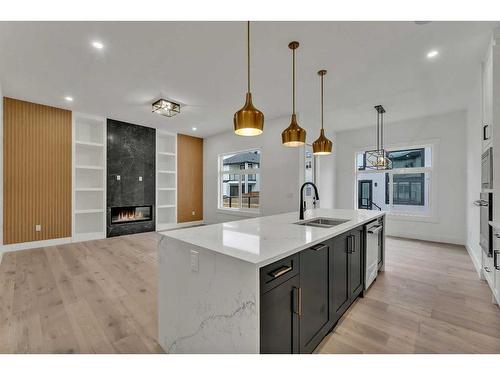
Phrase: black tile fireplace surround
x=131 y=166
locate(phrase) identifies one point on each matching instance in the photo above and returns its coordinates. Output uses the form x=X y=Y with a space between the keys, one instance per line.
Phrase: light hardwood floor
x=100 y=297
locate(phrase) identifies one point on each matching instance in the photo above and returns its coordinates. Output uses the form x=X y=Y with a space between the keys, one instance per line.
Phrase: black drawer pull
x=318 y=247
x=280 y=271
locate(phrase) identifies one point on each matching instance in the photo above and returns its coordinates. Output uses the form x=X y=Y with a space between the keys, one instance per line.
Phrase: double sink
x=322 y=222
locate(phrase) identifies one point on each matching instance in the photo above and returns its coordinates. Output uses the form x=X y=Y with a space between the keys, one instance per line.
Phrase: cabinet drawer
x=496 y=239
x=489 y=270
x=278 y=272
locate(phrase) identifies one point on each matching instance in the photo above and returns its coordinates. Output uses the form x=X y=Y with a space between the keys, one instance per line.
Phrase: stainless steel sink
x=322 y=222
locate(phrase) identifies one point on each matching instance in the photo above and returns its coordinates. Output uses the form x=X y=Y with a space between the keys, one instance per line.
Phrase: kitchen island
x=260 y=285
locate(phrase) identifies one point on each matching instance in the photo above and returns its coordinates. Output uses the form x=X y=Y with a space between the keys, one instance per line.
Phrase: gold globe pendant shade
x=248 y=121
x=322 y=145
x=294 y=135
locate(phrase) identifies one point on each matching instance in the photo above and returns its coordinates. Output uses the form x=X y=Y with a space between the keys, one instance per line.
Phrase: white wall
x=473 y=166
x=1 y=173
x=279 y=173
x=449 y=175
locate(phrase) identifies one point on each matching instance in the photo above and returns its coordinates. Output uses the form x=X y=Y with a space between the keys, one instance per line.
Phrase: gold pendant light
x=248 y=121
x=294 y=135
x=322 y=145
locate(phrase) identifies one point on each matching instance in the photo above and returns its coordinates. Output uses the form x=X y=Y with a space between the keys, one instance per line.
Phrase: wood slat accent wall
x=189 y=178
x=37 y=171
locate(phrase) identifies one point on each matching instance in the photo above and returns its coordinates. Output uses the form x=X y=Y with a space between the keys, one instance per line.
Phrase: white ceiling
x=203 y=66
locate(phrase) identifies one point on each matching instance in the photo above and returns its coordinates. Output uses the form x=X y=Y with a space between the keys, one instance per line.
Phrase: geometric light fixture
x=294 y=135
x=248 y=121
x=166 y=108
x=322 y=145
x=377 y=159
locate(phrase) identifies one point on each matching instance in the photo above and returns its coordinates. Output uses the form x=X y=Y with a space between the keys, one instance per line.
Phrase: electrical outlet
x=193 y=213
x=140 y=178
x=194 y=261
x=118 y=177
x=38 y=228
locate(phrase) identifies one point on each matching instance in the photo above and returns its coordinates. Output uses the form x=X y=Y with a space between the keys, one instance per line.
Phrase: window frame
x=431 y=217
x=241 y=174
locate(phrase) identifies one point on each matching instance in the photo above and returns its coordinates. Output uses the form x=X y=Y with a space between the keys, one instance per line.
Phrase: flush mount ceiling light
x=432 y=54
x=294 y=135
x=322 y=145
x=194 y=128
x=97 y=45
x=68 y=98
x=377 y=159
x=248 y=121
x=166 y=108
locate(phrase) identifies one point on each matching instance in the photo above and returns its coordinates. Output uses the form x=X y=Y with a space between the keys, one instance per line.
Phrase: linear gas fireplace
x=131 y=214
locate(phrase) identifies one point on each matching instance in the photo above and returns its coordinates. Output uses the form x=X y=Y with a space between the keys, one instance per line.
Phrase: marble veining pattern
x=206 y=311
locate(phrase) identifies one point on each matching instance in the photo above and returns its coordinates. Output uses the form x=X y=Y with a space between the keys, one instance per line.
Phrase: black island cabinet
x=304 y=295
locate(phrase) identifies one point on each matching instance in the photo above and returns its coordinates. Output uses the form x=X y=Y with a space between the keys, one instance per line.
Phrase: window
x=239 y=181
x=405 y=189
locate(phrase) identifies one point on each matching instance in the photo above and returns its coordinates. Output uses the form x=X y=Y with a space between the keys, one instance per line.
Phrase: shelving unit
x=89 y=177
x=166 y=180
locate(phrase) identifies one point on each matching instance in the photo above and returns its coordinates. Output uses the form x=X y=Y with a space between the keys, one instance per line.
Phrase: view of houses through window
x=403 y=189
x=239 y=180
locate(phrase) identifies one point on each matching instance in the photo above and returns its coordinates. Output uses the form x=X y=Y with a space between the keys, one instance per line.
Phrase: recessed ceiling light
x=194 y=128
x=97 y=45
x=432 y=54
x=68 y=98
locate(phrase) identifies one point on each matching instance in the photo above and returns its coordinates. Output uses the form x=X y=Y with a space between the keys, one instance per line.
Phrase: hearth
x=131 y=214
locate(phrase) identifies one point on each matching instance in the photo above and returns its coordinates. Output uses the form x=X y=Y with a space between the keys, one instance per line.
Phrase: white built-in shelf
x=91 y=211
x=89 y=177
x=166 y=180
x=88 y=189
x=90 y=144
x=96 y=167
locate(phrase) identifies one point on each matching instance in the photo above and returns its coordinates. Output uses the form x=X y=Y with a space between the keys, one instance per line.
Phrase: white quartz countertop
x=265 y=239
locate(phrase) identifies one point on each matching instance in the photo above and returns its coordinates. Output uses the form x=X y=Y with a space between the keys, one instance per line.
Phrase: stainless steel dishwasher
x=373 y=230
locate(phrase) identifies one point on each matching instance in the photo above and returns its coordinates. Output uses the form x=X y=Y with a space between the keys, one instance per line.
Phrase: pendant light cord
x=378 y=130
x=248 y=53
x=381 y=130
x=293 y=81
x=321 y=102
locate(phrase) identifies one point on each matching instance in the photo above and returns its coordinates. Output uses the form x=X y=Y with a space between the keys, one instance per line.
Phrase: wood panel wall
x=189 y=178
x=37 y=171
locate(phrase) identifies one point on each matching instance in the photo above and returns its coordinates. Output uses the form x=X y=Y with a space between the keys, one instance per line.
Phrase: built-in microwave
x=487 y=169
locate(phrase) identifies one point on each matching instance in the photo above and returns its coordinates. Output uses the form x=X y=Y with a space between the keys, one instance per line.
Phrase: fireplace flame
x=130 y=215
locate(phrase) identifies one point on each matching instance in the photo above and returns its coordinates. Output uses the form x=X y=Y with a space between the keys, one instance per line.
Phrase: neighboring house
x=249 y=182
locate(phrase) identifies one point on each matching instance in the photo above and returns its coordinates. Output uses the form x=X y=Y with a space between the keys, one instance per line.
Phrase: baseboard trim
x=477 y=262
x=35 y=244
x=431 y=238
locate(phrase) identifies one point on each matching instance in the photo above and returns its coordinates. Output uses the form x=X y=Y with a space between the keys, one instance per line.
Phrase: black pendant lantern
x=377 y=159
